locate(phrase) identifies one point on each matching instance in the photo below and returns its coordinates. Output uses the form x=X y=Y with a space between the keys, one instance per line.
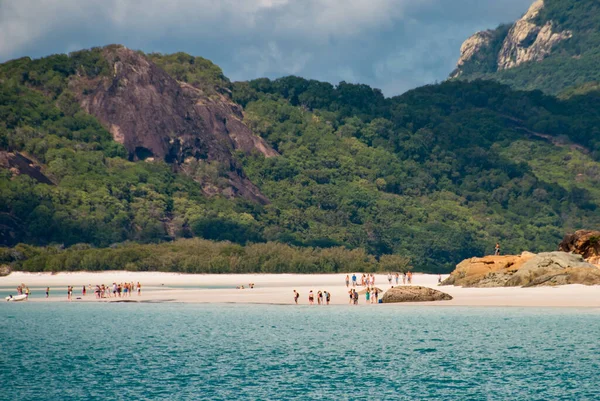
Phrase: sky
x=394 y=45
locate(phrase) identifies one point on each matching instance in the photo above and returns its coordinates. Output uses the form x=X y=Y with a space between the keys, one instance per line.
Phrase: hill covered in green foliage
x=436 y=175
x=527 y=56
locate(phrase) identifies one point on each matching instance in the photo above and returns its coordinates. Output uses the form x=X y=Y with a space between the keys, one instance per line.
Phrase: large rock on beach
x=526 y=270
x=414 y=294
x=488 y=271
x=555 y=268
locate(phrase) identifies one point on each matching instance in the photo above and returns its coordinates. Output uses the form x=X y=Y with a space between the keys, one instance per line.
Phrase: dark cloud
x=394 y=45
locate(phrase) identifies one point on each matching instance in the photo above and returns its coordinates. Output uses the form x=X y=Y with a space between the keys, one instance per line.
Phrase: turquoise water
x=71 y=351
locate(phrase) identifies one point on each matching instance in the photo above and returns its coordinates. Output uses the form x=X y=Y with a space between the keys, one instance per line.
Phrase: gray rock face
x=526 y=41
x=472 y=48
x=555 y=268
x=414 y=294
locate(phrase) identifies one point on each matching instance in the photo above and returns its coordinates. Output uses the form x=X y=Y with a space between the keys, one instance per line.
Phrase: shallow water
x=184 y=351
x=61 y=292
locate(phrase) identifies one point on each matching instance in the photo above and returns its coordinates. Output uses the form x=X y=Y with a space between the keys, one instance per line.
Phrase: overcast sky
x=394 y=45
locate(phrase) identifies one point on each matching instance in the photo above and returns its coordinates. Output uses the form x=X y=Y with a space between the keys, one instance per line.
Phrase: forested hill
x=438 y=174
x=554 y=47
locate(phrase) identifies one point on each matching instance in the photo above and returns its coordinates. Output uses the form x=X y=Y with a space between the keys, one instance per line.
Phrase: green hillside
x=436 y=175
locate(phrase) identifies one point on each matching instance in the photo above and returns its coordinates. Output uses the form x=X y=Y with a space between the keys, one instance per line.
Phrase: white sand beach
x=278 y=289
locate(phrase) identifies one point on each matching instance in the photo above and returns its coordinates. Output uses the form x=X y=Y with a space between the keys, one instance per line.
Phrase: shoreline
x=277 y=289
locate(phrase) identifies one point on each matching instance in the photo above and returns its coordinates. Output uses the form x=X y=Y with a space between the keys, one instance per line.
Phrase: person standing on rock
x=497 y=249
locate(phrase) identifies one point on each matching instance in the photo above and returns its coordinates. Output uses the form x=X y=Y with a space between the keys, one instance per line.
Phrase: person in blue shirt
x=353 y=280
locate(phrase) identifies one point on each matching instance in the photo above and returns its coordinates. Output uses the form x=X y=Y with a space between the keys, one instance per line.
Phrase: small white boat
x=16 y=298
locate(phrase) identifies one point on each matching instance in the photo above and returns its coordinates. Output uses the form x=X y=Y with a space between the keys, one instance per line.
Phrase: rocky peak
x=473 y=45
x=156 y=117
x=527 y=41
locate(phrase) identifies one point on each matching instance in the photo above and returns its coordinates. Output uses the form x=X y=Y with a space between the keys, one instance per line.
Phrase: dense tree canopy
x=436 y=175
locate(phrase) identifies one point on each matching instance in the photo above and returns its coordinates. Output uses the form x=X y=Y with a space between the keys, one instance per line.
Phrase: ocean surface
x=77 y=351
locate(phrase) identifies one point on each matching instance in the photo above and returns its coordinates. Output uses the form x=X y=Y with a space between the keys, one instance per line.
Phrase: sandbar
x=278 y=289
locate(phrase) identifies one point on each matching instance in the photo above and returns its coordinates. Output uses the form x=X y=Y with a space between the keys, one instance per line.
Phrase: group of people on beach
x=368 y=280
x=371 y=295
x=323 y=297
x=371 y=292
x=23 y=289
x=117 y=290
x=105 y=291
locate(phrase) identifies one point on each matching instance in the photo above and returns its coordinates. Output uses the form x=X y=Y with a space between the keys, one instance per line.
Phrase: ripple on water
x=177 y=351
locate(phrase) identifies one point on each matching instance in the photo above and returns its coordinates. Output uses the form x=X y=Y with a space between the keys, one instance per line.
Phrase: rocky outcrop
x=19 y=164
x=414 y=294
x=555 y=268
x=583 y=242
x=474 y=47
x=527 y=270
x=527 y=41
x=488 y=271
x=156 y=117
